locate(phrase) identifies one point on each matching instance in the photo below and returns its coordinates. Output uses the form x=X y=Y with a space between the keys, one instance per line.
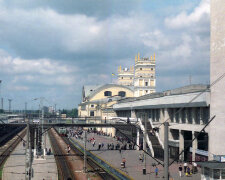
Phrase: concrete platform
x=133 y=165
x=14 y=167
x=45 y=168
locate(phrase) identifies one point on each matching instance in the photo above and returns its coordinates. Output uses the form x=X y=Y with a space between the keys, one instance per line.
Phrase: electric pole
x=2 y=103
x=166 y=151
x=10 y=100
x=144 y=142
x=28 y=154
x=85 y=153
x=42 y=127
x=25 y=111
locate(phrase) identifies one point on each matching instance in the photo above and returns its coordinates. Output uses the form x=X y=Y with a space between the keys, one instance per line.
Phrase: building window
x=206 y=171
x=92 y=113
x=216 y=173
x=146 y=83
x=122 y=93
x=108 y=93
x=223 y=173
x=92 y=105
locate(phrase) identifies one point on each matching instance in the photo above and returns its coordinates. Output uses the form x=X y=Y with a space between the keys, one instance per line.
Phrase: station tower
x=126 y=76
x=144 y=75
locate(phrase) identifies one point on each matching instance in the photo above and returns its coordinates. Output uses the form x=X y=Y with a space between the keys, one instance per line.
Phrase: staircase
x=147 y=138
x=156 y=144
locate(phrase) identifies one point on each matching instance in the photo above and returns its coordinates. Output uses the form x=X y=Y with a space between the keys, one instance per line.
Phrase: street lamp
x=42 y=122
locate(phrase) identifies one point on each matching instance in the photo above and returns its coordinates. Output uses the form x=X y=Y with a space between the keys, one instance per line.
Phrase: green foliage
x=70 y=113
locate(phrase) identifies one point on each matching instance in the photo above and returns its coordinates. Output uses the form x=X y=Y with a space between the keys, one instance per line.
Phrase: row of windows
x=109 y=93
x=130 y=78
x=151 y=69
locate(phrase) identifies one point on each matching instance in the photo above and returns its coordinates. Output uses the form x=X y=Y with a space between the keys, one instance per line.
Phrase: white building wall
x=217 y=68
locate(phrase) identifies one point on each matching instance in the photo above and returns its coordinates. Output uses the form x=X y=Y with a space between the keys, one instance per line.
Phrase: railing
x=147 y=138
x=156 y=133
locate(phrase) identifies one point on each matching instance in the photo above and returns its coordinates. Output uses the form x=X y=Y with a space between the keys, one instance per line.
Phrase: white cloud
x=35 y=71
x=184 y=49
x=62 y=52
x=182 y=20
x=41 y=66
x=155 y=39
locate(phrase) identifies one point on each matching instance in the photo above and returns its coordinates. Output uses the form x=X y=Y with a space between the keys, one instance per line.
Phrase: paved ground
x=45 y=168
x=14 y=168
x=133 y=165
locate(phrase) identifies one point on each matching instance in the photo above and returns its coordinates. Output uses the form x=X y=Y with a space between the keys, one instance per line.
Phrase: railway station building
x=97 y=100
x=186 y=115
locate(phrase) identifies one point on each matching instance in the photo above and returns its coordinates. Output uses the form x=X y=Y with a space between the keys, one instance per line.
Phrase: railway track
x=64 y=170
x=96 y=168
x=6 y=150
x=64 y=167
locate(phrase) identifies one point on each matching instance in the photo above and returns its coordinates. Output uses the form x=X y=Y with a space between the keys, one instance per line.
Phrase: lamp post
x=43 y=142
x=10 y=100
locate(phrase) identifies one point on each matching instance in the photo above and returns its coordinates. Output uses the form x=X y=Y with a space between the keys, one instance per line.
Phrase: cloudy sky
x=52 y=48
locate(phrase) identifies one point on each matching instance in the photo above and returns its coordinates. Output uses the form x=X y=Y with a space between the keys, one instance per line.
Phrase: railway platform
x=45 y=168
x=14 y=167
x=134 y=167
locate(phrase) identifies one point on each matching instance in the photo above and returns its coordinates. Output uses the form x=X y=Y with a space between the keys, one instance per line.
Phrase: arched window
x=122 y=93
x=108 y=93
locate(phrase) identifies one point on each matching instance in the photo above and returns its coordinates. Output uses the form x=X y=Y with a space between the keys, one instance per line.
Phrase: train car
x=62 y=131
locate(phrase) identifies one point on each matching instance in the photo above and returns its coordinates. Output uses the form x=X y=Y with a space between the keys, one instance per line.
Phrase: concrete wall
x=217 y=68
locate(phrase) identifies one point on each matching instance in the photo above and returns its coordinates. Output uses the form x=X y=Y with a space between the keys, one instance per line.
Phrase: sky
x=52 y=48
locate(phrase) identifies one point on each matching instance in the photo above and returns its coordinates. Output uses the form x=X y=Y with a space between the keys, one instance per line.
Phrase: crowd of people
x=120 y=144
x=188 y=171
x=76 y=132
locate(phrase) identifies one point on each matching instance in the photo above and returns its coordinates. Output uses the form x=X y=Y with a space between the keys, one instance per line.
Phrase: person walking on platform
x=185 y=167
x=180 y=170
x=141 y=157
x=124 y=162
x=194 y=167
x=99 y=146
x=156 y=171
x=68 y=149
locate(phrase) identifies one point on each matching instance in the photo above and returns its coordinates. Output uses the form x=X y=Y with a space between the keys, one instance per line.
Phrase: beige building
x=144 y=76
x=141 y=76
x=126 y=76
x=98 y=99
x=97 y=102
x=135 y=81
